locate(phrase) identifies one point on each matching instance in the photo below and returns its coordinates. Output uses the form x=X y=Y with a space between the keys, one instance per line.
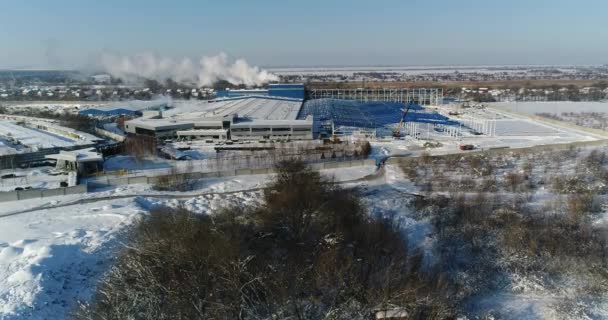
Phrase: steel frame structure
x=421 y=96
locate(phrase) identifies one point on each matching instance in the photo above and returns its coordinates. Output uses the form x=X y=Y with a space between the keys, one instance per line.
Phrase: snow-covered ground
x=408 y=70
x=51 y=256
x=552 y=107
x=502 y=129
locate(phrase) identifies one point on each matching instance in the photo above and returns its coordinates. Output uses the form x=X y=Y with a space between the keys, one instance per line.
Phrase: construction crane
x=397 y=131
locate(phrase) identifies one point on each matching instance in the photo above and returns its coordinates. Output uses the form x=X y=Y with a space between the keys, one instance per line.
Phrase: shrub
x=176 y=180
x=308 y=251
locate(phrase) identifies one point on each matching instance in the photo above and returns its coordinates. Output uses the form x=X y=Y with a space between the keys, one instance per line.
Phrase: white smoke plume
x=204 y=73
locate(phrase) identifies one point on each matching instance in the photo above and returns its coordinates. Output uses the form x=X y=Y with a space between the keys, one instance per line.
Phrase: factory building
x=133 y=108
x=83 y=161
x=293 y=91
x=273 y=130
x=246 y=118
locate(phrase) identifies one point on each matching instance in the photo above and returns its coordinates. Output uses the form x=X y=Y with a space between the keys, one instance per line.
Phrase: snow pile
x=50 y=259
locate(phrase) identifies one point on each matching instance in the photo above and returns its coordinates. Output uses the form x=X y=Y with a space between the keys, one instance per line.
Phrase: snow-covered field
x=552 y=107
x=52 y=255
x=408 y=70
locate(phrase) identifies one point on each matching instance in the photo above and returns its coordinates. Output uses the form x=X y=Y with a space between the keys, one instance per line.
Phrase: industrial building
x=83 y=161
x=294 y=91
x=280 y=113
x=244 y=118
x=132 y=108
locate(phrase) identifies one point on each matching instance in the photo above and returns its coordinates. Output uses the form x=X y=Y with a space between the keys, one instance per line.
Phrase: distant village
x=598 y=92
x=495 y=85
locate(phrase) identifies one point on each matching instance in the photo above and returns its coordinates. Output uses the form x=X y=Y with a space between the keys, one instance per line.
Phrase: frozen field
x=516 y=127
x=552 y=107
x=408 y=70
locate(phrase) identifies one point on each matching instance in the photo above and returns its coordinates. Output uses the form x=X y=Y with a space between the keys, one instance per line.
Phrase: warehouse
x=203 y=134
x=236 y=129
x=133 y=108
x=267 y=108
x=273 y=130
x=158 y=128
x=83 y=161
x=240 y=118
x=294 y=91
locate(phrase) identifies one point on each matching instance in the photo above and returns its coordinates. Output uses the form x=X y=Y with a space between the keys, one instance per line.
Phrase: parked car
x=467 y=147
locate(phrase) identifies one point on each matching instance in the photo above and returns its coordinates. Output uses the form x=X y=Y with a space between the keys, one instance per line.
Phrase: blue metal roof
x=109 y=112
x=241 y=93
x=289 y=90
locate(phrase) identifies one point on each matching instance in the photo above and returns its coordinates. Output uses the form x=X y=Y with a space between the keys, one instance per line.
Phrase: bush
x=176 y=180
x=140 y=146
x=308 y=251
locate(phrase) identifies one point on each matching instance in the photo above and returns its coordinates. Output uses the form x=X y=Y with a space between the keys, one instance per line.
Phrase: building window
x=145 y=131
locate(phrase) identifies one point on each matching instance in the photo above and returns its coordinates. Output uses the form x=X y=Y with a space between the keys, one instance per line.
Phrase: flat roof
x=82 y=155
x=273 y=123
x=262 y=108
x=82 y=135
x=134 y=105
x=42 y=139
x=158 y=123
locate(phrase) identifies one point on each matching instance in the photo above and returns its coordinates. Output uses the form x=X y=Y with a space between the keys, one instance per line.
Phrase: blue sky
x=73 y=33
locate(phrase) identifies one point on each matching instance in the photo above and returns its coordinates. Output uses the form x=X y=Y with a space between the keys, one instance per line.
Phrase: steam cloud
x=208 y=70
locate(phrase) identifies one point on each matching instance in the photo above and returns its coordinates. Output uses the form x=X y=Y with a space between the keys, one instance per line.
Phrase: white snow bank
x=50 y=259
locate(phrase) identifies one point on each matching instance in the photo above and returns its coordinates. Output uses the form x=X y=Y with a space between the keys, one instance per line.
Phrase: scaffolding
x=420 y=96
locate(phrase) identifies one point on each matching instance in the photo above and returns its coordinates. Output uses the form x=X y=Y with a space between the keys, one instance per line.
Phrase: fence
x=107 y=180
x=41 y=193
